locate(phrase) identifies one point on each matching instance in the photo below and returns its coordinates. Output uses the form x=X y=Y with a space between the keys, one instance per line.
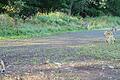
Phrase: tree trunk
x=70 y=7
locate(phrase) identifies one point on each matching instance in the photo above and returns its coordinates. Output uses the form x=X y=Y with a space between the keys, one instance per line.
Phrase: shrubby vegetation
x=39 y=25
x=45 y=24
x=103 y=22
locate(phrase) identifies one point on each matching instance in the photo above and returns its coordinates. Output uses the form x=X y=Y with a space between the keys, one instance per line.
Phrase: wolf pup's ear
x=114 y=30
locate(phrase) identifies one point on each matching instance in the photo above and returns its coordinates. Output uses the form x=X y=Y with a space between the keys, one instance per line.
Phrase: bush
x=56 y=18
x=6 y=25
x=6 y=21
x=45 y=24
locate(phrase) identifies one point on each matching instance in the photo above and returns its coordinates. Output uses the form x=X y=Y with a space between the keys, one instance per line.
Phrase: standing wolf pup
x=109 y=35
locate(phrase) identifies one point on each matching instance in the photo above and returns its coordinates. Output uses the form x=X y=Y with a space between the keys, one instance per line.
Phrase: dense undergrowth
x=47 y=24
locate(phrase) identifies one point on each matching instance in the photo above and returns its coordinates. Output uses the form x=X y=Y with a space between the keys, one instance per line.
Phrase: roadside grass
x=103 y=22
x=48 y=24
x=38 y=25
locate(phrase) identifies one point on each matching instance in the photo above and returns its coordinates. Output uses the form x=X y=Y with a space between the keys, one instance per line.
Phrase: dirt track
x=28 y=55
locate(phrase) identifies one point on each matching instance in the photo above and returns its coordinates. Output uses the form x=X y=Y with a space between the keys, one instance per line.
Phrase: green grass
x=39 y=25
x=101 y=51
x=52 y=23
x=103 y=22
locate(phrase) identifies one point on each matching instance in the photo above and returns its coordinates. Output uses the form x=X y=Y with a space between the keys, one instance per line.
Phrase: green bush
x=56 y=18
x=45 y=24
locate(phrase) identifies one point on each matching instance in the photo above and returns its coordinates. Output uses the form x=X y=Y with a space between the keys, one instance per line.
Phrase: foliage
x=113 y=7
x=6 y=21
x=39 y=25
x=103 y=22
x=72 y=7
x=57 y=18
x=45 y=24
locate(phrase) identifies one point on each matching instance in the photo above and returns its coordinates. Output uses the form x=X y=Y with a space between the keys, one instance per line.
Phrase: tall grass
x=45 y=24
x=39 y=25
x=103 y=22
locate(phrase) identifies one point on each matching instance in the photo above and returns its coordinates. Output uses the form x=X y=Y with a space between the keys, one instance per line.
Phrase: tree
x=2 y=4
x=71 y=7
x=113 y=7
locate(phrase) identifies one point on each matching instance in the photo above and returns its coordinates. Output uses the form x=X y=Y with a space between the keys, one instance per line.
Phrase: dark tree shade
x=71 y=7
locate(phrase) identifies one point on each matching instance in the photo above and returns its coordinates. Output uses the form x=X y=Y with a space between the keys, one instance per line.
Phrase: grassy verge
x=52 y=23
x=39 y=25
x=103 y=22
